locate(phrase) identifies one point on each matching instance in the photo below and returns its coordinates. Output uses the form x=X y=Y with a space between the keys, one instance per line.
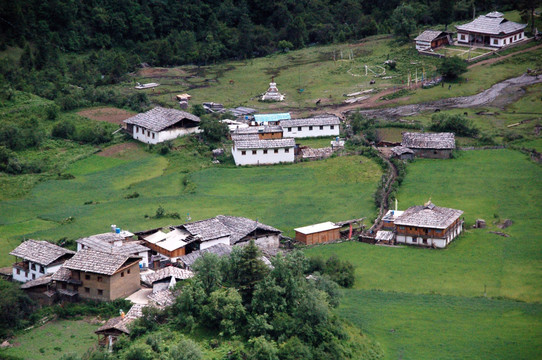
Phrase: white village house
x=38 y=258
x=490 y=30
x=250 y=150
x=311 y=127
x=161 y=124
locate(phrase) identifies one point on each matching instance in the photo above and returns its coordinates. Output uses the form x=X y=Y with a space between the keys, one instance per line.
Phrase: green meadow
x=477 y=299
x=185 y=182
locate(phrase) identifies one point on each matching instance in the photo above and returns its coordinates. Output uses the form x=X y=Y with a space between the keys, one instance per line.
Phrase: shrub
x=456 y=123
x=186 y=350
x=452 y=67
x=63 y=130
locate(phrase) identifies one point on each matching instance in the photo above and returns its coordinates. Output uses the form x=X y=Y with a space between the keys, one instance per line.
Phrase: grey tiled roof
x=208 y=229
x=160 y=118
x=162 y=298
x=259 y=129
x=428 y=140
x=491 y=24
x=168 y=271
x=265 y=144
x=314 y=121
x=41 y=252
x=241 y=227
x=428 y=216
x=127 y=248
x=97 y=261
x=429 y=35
x=218 y=249
x=62 y=274
x=245 y=137
x=44 y=280
x=121 y=324
x=400 y=150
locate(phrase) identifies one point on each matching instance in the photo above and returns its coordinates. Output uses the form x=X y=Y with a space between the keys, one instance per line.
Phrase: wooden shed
x=318 y=233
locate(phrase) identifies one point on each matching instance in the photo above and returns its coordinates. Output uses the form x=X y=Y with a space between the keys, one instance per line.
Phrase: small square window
x=425 y=241
x=87 y=277
x=254 y=152
x=128 y=271
x=321 y=127
x=18 y=271
x=243 y=152
x=265 y=151
x=32 y=267
x=122 y=274
x=286 y=150
x=299 y=128
x=332 y=127
x=87 y=290
x=414 y=239
x=289 y=129
x=100 y=292
x=100 y=279
x=63 y=286
x=310 y=128
x=276 y=151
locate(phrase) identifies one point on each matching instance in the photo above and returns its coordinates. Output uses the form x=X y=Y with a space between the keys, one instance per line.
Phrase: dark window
x=148 y=133
x=495 y=41
x=310 y=127
x=137 y=129
x=122 y=274
x=425 y=241
x=100 y=279
x=321 y=127
x=332 y=127
x=153 y=135
x=100 y=292
x=42 y=270
x=32 y=267
x=414 y=240
x=299 y=128
x=289 y=129
x=64 y=286
x=128 y=271
x=265 y=151
x=33 y=276
x=18 y=271
x=254 y=152
x=87 y=290
x=243 y=152
x=87 y=277
x=286 y=150
x=276 y=151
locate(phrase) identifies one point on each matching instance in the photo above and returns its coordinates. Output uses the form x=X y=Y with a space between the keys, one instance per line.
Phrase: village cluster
x=118 y=263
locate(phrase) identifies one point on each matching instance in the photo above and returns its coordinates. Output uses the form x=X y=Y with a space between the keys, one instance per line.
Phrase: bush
x=459 y=124
x=342 y=272
x=63 y=130
x=186 y=350
x=452 y=67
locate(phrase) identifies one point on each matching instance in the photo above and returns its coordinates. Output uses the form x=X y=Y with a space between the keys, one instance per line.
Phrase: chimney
x=113 y=228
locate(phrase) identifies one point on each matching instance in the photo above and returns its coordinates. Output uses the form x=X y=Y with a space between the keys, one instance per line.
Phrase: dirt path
x=494 y=60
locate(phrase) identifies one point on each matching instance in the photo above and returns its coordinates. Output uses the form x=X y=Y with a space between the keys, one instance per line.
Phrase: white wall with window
x=27 y=271
x=310 y=131
x=263 y=156
x=155 y=137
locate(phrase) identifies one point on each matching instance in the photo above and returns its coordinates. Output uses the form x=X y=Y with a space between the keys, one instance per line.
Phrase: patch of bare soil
x=116 y=150
x=108 y=114
x=150 y=72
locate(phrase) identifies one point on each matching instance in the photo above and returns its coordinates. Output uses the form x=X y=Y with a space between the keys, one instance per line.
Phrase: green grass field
x=52 y=340
x=316 y=143
x=434 y=299
x=185 y=182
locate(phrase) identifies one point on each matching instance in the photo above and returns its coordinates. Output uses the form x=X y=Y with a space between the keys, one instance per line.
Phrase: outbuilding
x=161 y=124
x=318 y=233
x=429 y=145
x=432 y=39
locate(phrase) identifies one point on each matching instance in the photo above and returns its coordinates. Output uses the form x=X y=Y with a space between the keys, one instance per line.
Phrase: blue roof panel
x=271 y=117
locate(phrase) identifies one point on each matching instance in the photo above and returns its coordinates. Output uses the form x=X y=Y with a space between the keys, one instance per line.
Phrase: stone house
x=429 y=145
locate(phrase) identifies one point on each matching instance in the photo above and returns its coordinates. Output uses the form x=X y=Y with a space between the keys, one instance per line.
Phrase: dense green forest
x=71 y=47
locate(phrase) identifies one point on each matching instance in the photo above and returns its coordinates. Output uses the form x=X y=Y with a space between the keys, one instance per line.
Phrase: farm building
x=271 y=119
x=251 y=151
x=388 y=220
x=430 y=145
x=96 y=275
x=168 y=244
x=272 y=93
x=431 y=39
x=490 y=30
x=188 y=260
x=402 y=153
x=161 y=124
x=428 y=225
x=265 y=132
x=116 y=243
x=37 y=258
x=39 y=290
x=166 y=278
x=117 y=326
x=318 y=233
x=311 y=127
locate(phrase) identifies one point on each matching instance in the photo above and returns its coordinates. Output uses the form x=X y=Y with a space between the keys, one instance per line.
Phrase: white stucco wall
x=259 y=158
x=268 y=242
x=294 y=132
x=35 y=273
x=146 y=136
x=222 y=240
x=423 y=45
x=436 y=242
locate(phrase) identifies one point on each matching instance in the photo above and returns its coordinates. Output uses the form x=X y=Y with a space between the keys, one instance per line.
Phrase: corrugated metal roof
x=160 y=118
x=272 y=117
x=311 y=229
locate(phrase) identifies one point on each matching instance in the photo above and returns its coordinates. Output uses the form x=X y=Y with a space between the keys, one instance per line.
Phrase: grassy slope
x=395 y=284
x=276 y=195
x=67 y=336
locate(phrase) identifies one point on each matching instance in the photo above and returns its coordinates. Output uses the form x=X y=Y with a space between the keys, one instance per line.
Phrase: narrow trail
x=494 y=60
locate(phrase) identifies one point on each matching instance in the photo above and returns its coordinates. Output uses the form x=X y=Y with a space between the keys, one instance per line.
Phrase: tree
x=452 y=67
x=27 y=58
x=251 y=271
x=446 y=12
x=186 y=349
x=213 y=130
x=456 y=123
x=527 y=9
x=403 y=21
x=284 y=45
x=208 y=269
